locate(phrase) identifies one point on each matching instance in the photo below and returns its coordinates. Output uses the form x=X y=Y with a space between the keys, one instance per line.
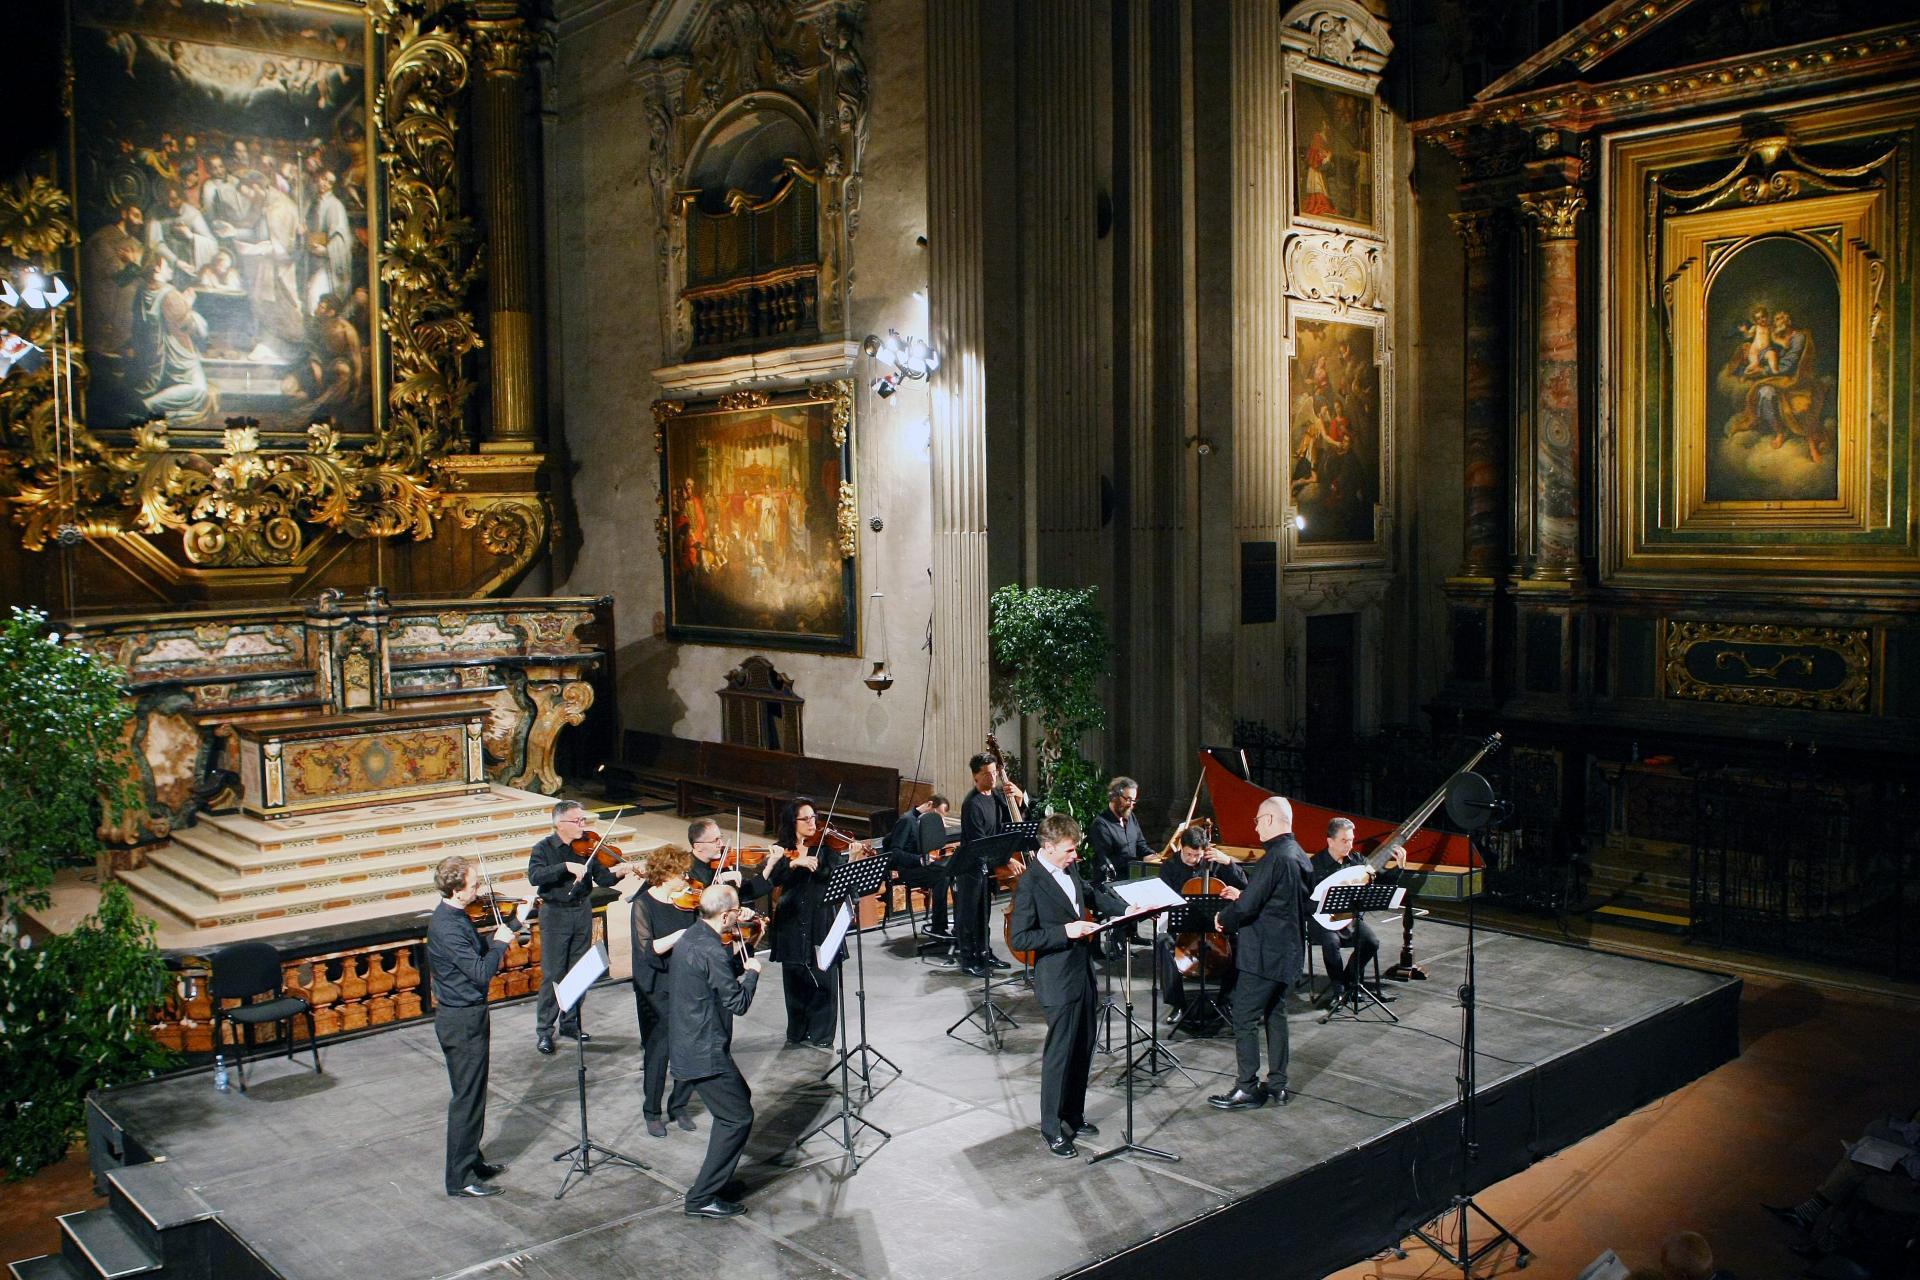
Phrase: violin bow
x=608 y=833
x=493 y=899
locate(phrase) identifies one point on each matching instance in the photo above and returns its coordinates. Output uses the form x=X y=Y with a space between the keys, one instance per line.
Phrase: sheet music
x=1605 y=1267
x=836 y=934
x=1154 y=892
x=585 y=972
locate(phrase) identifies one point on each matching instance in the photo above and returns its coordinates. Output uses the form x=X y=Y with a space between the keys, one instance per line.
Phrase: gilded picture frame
x=1339 y=435
x=757 y=529
x=1335 y=157
x=1758 y=433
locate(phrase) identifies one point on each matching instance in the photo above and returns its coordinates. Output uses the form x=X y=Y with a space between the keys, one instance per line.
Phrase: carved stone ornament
x=245 y=506
x=1339 y=33
x=1478 y=229
x=1332 y=268
x=1556 y=214
x=1768 y=665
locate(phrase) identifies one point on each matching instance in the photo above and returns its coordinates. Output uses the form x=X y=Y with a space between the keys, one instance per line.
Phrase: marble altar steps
x=231 y=870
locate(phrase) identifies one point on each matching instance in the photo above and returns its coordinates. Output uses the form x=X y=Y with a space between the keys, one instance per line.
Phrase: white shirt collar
x=1064 y=879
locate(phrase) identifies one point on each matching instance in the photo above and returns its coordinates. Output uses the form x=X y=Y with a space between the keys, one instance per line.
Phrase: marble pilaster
x=1556 y=434
x=502 y=46
x=1484 y=417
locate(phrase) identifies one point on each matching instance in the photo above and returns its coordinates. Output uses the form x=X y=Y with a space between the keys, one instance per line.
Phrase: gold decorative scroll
x=1768 y=665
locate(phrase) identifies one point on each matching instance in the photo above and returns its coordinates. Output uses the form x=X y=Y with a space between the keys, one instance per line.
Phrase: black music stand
x=853 y=881
x=1203 y=1014
x=1150 y=1059
x=1127 y=1144
x=994 y=851
x=846 y=1117
x=585 y=1155
x=1341 y=899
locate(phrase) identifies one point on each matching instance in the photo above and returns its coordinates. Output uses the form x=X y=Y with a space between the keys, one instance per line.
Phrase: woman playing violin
x=566 y=875
x=661 y=914
x=806 y=852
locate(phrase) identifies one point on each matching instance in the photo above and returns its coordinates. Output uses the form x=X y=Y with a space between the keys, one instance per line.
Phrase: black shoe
x=717 y=1209
x=686 y=1123
x=1279 y=1096
x=544 y=1044
x=487 y=1172
x=1175 y=1012
x=656 y=1127
x=1063 y=1147
x=1085 y=1130
x=994 y=962
x=478 y=1190
x=1239 y=1100
x=974 y=969
x=1330 y=997
x=584 y=1037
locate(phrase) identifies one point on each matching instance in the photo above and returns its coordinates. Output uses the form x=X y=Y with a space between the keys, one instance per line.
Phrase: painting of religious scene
x=222 y=186
x=1773 y=346
x=752 y=521
x=1332 y=154
x=1335 y=386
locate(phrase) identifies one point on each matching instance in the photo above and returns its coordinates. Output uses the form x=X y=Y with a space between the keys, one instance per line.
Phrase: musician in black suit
x=1049 y=906
x=1194 y=848
x=1270 y=951
x=705 y=997
x=709 y=848
x=566 y=882
x=1365 y=942
x=914 y=849
x=1115 y=833
x=982 y=813
x=462 y=966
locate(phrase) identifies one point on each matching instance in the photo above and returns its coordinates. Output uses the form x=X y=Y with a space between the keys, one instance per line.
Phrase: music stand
x=994 y=851
x=1203 y=1013
x=1127 y=1143
x=853 y=881
x=567 y=992
x=1149 y=1058
x=846 y=1117
x=1357 y=899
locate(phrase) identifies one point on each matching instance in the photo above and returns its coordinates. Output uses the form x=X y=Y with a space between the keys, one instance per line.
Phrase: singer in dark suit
x=1049 y=910
x=1270 y=950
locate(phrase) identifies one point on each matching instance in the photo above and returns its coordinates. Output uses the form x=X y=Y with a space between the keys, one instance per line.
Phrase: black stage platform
x=338 y=1175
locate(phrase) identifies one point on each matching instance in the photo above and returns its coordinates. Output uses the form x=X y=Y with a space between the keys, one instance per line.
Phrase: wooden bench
x=707 y=777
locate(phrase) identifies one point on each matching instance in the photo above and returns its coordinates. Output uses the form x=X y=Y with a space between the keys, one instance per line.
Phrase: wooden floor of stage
x=338 y=1175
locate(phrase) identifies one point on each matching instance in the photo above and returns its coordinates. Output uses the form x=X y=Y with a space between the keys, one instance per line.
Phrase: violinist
x=1365 y=942
x=801 y=919
x=661 y=914
x=1197 y=860
x=706 y=995
x=913 y=848
x=566 y=882
x=710 y=851
x=983 y=813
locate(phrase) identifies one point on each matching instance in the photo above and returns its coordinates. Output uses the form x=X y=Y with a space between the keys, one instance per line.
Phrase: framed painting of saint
x=757 y=526
x=1334 y=452
x=1333 y=155
x=227 y=200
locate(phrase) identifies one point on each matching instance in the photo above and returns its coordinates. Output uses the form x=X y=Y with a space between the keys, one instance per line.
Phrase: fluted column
x=1258 y=78
x=502 y=45
x=956 y=307
x=1484 y=452
x=1556 y=429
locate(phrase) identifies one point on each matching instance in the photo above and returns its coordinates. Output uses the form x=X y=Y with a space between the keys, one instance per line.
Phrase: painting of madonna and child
x=1335 y=388
x=1773 y=342
x=753 y=553
x=221 y=178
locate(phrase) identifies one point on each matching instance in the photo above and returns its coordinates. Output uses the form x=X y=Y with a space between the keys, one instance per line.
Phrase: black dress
x=801 y=919
x=653 y=919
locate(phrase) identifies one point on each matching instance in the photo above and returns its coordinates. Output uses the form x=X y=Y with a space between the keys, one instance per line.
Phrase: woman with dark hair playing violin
x=566 y=882
x=802 y=916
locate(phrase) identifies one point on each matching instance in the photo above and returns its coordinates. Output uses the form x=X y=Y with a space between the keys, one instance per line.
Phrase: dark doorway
x=1333 y=642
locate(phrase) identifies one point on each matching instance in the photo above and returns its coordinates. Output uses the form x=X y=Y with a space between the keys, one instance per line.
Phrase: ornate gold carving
x=1769 y=665
x=841 y=394
x=513 y=528
x=1478 y=229
x=1769 y=168
x=847 y=516
x=558 y=701
x=504 y=46
x=663 y=412
x=1556 y=213
x=1338 y=269
x=745 y=400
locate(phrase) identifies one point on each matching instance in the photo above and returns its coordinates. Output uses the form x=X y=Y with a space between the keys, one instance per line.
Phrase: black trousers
x=1173 y=987
x=565 y=935
x=467 y=1041
x=812 y=1002
x=1260 y=1002
x=969 y=913
x=1366 y=945
x=651 y=1008
x=934 y=878
x=729 y=1105
x=1066 y=1062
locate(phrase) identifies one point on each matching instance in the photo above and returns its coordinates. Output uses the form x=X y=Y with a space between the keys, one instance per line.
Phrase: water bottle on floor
x=220 y=1072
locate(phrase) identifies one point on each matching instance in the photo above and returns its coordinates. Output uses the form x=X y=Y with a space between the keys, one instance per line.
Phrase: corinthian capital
x=502 y=46
x=1478 y=229
x=1555 y=213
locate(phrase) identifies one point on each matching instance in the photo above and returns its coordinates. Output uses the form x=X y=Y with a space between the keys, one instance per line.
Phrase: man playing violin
x=565 y=881
x=1195 y=851
x=1049 y=909
x=801 y=919
x=982 y=813
x=915 y=847
x=710 y=850
x=1365 y=942
x=705 y=996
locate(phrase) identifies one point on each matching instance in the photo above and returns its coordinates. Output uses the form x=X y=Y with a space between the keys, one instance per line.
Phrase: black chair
x=242 y=972
x=1346 y=944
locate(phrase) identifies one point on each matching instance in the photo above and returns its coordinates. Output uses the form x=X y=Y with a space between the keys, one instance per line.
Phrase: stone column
x=957 y=315
x=1556 y=427
x=1484 y=455
x=502 y=45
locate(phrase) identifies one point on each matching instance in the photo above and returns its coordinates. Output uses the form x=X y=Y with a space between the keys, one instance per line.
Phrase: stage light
x=907 y=359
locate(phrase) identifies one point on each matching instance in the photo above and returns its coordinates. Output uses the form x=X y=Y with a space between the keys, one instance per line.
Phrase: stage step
x=402 y=819
x=95 y=1242
x=164 y=1212
x=48 y=1266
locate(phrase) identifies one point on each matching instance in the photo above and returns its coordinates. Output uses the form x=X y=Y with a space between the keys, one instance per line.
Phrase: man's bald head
x=1273 y=818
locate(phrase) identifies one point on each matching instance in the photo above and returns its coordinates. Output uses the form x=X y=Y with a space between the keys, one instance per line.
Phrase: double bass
x=1007 y=875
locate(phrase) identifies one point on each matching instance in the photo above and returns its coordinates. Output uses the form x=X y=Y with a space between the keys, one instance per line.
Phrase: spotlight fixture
x=1299 y=522
x=37 y=292
x=906 y=359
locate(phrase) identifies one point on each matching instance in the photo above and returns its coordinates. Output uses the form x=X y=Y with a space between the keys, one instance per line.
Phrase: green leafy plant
x=1051 y=656
x=74 y=1014
x=61 y=716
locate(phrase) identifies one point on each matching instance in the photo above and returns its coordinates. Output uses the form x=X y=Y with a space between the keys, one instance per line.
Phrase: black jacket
x=752 y=884
x=547 y=872
x=652 y=918
x=705 y=997
x=914 y=837
x=981 y=814
x=1117 y=844
x=462 y=964
x=803 y=915
x=1062 y=966
x=1266 y=919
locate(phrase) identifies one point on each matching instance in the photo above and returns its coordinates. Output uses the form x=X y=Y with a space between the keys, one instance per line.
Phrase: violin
x=592 y=849
x=745 y=933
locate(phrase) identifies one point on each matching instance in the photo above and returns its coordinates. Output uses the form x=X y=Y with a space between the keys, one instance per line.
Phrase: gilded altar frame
x=1826 y=496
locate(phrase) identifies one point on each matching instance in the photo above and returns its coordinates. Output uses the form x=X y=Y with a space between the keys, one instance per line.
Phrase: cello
x=1007 y=875
x=1208 y=951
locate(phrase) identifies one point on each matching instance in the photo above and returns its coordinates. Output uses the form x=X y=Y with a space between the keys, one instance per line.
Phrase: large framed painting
x=1762 y=420
x=1333 y=155
x=1335 y=459
x=224 y=189
x=757 y=525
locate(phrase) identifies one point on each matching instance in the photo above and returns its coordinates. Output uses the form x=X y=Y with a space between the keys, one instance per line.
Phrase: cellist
x=1198 y=860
